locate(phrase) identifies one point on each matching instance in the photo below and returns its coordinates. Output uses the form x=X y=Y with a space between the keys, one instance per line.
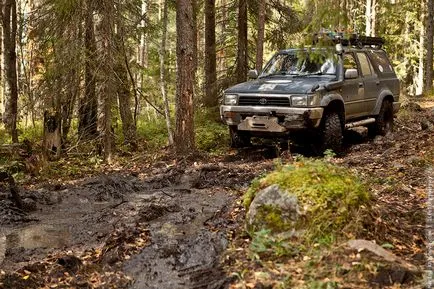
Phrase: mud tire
x=384 y=122
x=238 y=139
x=331 y=134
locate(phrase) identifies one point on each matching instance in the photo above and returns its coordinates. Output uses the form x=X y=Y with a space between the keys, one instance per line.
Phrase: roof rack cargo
x=348 y=39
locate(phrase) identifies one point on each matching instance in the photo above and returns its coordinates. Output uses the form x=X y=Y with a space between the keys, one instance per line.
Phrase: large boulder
x=312 y=200
x=273 y=209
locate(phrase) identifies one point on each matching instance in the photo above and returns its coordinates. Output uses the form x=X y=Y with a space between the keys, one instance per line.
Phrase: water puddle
x=32 y=237
x=38 y=236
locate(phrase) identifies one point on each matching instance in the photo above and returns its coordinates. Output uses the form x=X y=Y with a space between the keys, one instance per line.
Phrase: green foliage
x=264 y=243
x=329 y=196
x=154 y=132
x=211 y=135
x=32 y=133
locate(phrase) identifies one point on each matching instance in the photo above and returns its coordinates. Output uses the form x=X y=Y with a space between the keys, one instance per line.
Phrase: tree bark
x=106 y=61
x=163 y=84
x=123 y=87
x=52 y=138
x=10 y=84
x=429 y=46
x=368 y=17
x=261 y=32
x=241 y=68
x=124 y=97
x=88 y=110
x=373 y=17
x=210 y=99
x=184 y=132
x=419 y=82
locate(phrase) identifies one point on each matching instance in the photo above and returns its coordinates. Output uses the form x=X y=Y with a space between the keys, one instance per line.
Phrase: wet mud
x=185 y=210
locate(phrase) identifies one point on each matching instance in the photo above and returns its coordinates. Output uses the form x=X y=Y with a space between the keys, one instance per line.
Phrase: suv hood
x=295 y=85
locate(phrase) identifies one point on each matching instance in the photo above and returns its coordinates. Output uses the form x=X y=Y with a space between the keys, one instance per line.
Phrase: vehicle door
x=370 y=81
x=353 y=91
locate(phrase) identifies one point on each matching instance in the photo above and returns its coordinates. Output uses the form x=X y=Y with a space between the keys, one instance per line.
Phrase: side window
x=381 y=62
x=349 y=62
x=365 y=65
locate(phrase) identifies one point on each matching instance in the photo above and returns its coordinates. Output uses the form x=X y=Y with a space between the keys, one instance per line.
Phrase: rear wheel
x=238 y=139
x=384 y=122
x=330 y=135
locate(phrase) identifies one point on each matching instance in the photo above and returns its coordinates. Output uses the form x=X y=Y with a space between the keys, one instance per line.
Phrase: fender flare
x=326 y=99
x=383 y=94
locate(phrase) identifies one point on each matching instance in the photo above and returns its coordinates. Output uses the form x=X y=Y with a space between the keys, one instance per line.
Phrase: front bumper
x=270 y=118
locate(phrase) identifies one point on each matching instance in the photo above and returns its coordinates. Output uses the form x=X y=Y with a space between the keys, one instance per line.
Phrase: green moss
x=329 y=196
x=271 y=217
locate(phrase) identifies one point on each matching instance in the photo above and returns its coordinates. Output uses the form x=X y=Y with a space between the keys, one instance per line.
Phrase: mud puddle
x=185 y=245
x=185 y=210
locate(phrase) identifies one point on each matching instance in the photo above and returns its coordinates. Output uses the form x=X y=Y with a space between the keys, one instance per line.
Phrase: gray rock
x=273 y=209
x=361 y=245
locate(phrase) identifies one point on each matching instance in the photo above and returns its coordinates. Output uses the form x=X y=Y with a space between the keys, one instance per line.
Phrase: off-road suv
x=317 y=92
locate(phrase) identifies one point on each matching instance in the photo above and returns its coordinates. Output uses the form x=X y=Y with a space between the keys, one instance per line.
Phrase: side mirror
x=253 y=74
x=351 y=73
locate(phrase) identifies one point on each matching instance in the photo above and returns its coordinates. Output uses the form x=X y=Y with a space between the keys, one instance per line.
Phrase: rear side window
x=381 y=62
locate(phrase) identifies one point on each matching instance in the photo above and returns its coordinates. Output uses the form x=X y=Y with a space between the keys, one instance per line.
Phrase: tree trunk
x=429 y=47
x=163 y=84
x=88 y=110
x=184 y=132
x=124 y=96
x=10 y=84
x=261 y=31
x=241 y=69
x=419 y=81
x=106 y=39
x=52 y=138
x=210 y=99
x=373 y=17
x=368 y=17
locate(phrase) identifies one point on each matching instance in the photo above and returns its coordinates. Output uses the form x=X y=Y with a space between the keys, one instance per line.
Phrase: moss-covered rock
x=311 y=196
x=273 y=209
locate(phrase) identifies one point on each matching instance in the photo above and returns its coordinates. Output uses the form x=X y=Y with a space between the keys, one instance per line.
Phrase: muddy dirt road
x=190 y=211
x=185 y=209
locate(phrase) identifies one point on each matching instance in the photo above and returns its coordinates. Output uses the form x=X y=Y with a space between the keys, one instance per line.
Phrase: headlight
x=299 y=100
x=230 y=99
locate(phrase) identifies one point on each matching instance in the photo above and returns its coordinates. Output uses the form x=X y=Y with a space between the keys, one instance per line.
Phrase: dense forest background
x=118 y=75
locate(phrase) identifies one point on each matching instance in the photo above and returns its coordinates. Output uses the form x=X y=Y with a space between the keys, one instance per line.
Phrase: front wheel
x=384 y=122
x=330 y=135
x=238 y=139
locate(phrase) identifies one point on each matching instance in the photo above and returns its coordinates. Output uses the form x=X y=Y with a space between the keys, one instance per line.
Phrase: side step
x=360 y=122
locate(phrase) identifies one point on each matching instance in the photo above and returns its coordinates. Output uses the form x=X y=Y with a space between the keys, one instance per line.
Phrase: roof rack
x=348 y=39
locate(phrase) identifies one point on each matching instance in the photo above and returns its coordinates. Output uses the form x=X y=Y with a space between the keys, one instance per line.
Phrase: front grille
x=264 y=100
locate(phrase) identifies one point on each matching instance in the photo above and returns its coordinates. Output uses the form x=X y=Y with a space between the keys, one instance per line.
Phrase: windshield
x=301 y=64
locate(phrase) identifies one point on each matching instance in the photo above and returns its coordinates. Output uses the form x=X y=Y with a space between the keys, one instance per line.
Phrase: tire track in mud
x=186 y=209
x=185 y=249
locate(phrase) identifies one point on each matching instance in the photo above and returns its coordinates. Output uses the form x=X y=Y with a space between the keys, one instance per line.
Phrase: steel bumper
x=270 y=118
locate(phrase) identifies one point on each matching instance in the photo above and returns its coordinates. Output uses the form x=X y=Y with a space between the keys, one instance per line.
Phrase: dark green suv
x=315 y=92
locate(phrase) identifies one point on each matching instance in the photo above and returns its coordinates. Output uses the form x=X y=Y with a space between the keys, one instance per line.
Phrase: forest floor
x=159 y=222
